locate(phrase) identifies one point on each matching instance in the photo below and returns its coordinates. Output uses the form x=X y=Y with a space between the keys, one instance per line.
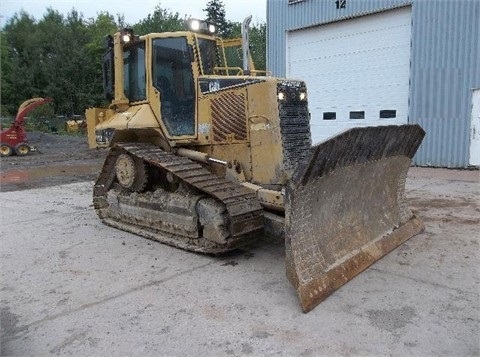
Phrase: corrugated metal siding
x=445 y=63
x=445 y=69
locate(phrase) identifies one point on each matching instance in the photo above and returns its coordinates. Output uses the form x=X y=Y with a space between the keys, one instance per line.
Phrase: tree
x=215 y=10
x=258 y=45
x=162 y=20
x=6 y=69
x=65 y=65
x=18 y=70
x=61 y=56
x=98 y=28
x=216 y=13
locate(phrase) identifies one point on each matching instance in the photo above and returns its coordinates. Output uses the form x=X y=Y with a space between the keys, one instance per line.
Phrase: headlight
x=195 y=25
x=127 y=36
x=201 y=26
x=103 y=137
x=291 y=91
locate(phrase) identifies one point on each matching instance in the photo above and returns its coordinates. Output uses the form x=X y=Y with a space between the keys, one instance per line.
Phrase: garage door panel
x=347 y=67
x=392 y=23
x=380 y=93
x=360 y=43
x=362 y=64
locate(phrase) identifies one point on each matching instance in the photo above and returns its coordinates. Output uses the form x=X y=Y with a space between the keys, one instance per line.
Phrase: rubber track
x=245 y=211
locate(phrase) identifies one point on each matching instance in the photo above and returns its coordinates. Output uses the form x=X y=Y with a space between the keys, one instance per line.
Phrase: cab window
x=134 y=72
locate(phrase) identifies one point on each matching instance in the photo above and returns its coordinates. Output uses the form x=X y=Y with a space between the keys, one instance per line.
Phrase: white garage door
x=357 y=71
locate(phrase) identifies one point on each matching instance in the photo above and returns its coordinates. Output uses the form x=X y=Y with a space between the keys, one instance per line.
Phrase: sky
x=236 y=10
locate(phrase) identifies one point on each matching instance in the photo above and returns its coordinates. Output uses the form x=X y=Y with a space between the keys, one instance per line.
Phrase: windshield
x=208 y=54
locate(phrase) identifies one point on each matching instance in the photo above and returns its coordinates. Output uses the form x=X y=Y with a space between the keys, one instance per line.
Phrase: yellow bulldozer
x=207 y=154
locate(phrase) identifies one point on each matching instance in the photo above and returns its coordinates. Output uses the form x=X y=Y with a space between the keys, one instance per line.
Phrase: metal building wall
x=445 y=63
x=445 y=69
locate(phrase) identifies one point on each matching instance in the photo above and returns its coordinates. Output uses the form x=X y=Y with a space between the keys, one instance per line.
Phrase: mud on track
x=59 y=159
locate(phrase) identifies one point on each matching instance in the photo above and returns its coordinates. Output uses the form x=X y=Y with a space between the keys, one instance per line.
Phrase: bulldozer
x=208 y=154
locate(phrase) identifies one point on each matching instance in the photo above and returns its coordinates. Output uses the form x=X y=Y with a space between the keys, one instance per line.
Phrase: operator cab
x=171 y=62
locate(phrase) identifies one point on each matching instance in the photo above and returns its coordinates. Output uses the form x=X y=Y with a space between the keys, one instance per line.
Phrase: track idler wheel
x=131 y=172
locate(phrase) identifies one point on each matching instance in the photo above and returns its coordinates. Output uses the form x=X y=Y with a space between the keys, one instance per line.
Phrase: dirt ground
x=58 y=159
x=71 y=285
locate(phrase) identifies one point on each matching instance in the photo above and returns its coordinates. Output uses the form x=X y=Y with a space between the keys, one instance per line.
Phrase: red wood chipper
x=14 y=139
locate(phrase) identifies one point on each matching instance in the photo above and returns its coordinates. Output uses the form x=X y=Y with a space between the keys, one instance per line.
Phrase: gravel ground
x=73 y=286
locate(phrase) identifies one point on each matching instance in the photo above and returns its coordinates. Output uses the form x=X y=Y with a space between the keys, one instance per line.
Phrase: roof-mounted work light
x=201 y=26
x=127 y=37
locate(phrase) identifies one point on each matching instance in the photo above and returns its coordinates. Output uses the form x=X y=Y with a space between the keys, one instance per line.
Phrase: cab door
x=172 y=77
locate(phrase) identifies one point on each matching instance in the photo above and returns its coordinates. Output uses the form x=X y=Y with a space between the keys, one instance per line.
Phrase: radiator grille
x=229 y=118
x=294 y=127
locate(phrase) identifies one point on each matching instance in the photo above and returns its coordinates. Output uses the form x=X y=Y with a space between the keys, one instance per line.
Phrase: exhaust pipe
x=246 y=45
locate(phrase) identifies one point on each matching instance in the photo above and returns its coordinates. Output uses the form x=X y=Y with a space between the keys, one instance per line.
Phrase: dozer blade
x=345 y=207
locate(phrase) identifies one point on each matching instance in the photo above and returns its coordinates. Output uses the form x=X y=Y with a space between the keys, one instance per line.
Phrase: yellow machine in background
x=76 y=125
x=206 y=153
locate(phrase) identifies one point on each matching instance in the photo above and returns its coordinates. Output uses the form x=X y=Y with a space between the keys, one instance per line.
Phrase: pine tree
x=216 y=13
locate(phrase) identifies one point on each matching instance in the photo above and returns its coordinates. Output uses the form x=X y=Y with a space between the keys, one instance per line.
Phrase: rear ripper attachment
x=346 y=208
